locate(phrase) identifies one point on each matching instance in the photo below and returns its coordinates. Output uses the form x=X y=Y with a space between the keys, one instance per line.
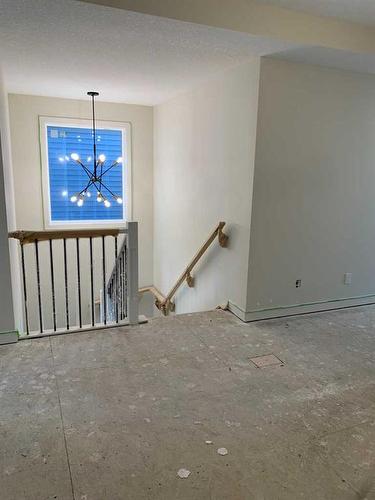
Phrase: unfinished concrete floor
x=113 y=415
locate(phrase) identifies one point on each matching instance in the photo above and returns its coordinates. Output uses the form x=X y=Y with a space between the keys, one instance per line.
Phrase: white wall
x=309 y=148
x=313 y=212
x=24 y=114
x=203 y=169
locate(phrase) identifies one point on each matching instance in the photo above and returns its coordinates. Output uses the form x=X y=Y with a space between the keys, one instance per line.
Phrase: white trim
x=132 y=273
x=296 y=309
x=8 y=337
x=85 y=329
x=125 y=128
x=236 y=310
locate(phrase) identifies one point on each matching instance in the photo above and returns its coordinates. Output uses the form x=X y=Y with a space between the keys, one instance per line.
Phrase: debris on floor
x=222 y=451
x=209 y=442
x=183 y=473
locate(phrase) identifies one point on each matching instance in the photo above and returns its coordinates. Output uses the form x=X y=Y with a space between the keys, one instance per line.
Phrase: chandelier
x=96 y=175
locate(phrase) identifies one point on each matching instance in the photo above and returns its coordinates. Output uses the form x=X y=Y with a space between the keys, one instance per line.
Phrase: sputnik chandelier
x=95 y=176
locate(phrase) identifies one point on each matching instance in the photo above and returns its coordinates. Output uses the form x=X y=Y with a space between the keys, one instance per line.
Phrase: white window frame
x=125 y=127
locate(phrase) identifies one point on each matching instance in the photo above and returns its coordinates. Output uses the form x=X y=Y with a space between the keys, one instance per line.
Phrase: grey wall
x=313 y=214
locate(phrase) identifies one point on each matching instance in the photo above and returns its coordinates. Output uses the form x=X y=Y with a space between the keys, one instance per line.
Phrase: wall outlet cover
x=348 y=278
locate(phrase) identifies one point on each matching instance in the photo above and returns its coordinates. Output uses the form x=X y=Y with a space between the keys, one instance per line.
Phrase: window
x=63 y=177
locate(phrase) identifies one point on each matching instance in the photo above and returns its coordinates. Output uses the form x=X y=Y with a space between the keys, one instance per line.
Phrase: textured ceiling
x=357 y=11
x=331 y=58
x=64 y=48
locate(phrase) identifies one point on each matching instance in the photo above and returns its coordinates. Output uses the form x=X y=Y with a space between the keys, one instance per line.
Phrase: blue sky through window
x=67 y=178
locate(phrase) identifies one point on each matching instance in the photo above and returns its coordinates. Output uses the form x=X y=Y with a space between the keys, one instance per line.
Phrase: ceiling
x=331 y=58
x=357 y=11
x=64 y=48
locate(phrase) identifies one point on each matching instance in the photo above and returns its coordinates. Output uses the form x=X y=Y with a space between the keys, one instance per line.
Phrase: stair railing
x=165 y=303
x=64 y=271
x=124 y=277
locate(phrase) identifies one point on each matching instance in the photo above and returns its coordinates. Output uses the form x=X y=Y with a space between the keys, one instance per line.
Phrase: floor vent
x=267 y=360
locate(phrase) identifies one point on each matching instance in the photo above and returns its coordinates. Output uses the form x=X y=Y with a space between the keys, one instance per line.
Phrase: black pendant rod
x=93 y=95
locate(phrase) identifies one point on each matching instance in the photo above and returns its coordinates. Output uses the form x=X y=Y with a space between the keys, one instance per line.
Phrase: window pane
x=67 y=178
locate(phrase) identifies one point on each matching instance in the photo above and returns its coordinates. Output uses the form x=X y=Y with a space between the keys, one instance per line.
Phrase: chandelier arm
x=98 y=189
x=90 y=176
x=87 y=170
x=111 y=192
x=101 y=174
x=87 y=186
x=109 y=168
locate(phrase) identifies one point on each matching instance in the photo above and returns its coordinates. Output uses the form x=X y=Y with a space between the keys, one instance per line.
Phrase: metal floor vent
x=267 y=360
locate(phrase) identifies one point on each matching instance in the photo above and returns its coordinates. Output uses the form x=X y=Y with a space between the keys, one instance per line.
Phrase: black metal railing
x=117 y=284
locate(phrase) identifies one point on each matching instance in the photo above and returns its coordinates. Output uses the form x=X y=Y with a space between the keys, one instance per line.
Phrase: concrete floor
x=113 y=415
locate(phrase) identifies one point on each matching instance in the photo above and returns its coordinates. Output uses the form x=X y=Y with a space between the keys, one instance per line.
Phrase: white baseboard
x=237 y=311
x=293 y=310
x=8 y=337
x=85 y=328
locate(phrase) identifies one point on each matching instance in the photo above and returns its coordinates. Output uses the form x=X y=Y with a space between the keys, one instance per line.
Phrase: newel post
x=132 y=273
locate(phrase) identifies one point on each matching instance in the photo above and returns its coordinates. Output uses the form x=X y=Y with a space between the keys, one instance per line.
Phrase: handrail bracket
x=222 y=237
x=189 y=280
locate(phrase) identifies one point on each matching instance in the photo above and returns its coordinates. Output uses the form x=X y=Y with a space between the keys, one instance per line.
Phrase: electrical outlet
x=298 y=283
x=348 y=278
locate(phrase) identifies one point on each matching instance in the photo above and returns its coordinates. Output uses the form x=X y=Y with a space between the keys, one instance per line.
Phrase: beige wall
x=204 y=159
x=313 y=204
x=24 y=113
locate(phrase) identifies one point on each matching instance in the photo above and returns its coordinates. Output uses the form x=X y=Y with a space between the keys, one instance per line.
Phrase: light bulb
x=119 y=200
x=107 y=203
x=99 y=198
x=89 y=158
x=73 y=199
x=80 y=202
x=74 y=156
x=64 y=193
x=88 y=194
x=61 y=159
x=119 y=159
x=102 y=158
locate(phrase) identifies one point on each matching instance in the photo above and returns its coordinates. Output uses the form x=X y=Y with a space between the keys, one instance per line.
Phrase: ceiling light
x=95 y=176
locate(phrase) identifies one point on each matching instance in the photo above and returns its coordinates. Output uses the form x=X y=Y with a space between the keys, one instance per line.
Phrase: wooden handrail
x=30 y=236
x=165 y=303
x=155 y=292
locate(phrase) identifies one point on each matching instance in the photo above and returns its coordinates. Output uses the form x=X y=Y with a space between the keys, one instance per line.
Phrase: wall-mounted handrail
x=155 y=292
x=165 y=303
